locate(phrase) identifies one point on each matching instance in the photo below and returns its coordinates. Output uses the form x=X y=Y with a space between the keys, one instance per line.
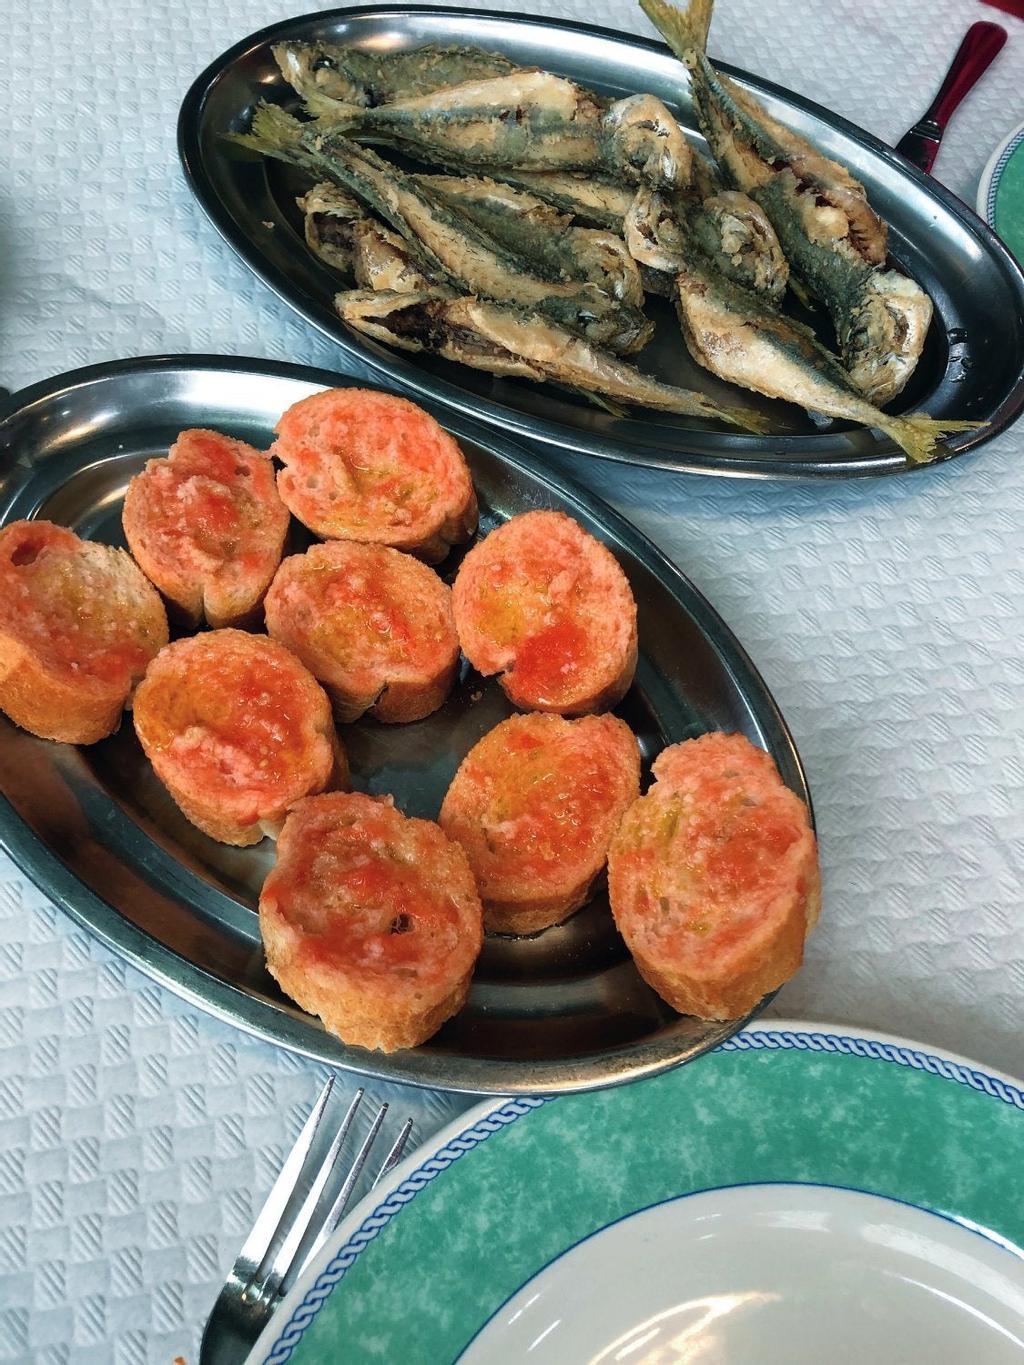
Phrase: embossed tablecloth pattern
x=138 y=1136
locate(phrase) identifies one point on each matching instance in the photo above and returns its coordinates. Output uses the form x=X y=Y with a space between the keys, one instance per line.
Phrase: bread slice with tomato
x=535 y=804
x=237 y=730
x=545 y=606
x=372 y=624
x=713 y=877
x=370 y=920
x=207 y=527
x=369 y=466
x=79 y=624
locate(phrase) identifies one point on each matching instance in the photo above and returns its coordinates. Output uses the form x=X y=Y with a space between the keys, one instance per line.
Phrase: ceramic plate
x=95 y=828
x=793 y=1198
x=972 y=367
x=1001 y=191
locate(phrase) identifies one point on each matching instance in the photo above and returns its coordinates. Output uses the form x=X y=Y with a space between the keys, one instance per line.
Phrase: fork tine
x=269 y=1218
x=345 y=1193
x=395 y=1155
x=270 y=1285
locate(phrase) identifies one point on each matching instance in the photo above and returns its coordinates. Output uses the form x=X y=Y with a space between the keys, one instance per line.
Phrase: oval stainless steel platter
x=94 y=827
x=973 y=365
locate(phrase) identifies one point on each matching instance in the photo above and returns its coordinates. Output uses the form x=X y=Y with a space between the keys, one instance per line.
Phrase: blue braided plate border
x=770 y=1040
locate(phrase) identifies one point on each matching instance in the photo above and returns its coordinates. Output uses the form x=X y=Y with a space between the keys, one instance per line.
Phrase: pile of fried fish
x=548 y=213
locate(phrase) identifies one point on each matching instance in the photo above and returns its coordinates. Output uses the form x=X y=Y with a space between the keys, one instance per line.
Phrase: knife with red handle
x=981 y=43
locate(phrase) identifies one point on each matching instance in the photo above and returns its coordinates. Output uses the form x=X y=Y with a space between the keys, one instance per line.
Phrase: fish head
x=653 y=233
x=737 y=234
x=318 y=68
x=648 y=142
x=331 y=200
x=886 y=334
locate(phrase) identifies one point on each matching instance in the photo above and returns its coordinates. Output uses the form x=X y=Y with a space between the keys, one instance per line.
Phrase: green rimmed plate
x=1001 y=191
x=795 y=1196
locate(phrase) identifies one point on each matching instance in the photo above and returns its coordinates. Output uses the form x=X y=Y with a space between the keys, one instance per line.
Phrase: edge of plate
x=376 y=1210
x=404 y=372
x=261 y=1018
x=988 y=185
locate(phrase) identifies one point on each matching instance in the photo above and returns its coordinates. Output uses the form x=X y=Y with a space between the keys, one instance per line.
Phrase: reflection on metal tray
x=972 y=367
x=99 y=833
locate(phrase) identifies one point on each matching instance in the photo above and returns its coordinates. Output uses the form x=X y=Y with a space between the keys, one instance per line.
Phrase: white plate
x=776 y=1274
x=797 y=1197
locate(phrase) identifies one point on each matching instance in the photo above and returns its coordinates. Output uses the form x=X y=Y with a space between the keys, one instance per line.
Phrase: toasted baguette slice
x=374 y=625
x=367 y=466
x=237 y=731
x=535 y=804
x=713 y=878
x=207 y=527
x=78 y=625
x=370 y=920
x=546 y=606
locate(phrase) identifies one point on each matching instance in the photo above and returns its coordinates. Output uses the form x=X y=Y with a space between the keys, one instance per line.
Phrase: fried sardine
x=511 y=342
x=834 y=241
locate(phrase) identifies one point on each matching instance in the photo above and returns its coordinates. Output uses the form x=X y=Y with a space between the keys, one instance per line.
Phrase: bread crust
x=78 y=625
x=545 y=606
x=237 y=730
x=535 y=804
x=713 y=878
x=373 y=625
x=372 y=467
x=207 y=527
x=370 y=920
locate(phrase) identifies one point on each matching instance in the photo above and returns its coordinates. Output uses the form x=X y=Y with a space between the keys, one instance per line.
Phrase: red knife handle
x=981 y=43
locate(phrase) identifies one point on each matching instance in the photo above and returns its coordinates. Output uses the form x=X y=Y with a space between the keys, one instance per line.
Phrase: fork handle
x=981 y=43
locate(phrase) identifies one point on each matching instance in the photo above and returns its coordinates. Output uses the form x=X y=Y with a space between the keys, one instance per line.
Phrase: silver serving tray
x=973 y=365
x=97 y=831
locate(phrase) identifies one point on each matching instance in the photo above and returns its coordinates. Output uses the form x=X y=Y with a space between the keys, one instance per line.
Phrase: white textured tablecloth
x=137 y=1136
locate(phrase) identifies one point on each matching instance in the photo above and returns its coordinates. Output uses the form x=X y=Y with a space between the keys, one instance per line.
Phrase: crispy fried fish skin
x=749 y=145
x=834 y=241
x=881 y=316
x=730 y=229
x=592 y=200
x=354 y=76
x=508 y=341
x=442 y=242
x=381 y=260
x=340 y=232
x=740 y=338
x=738 y=236
x=329 y=219
x=644 y=143
x=469 y=258
x=529 y=120
x=417 y=322
x=533 y=228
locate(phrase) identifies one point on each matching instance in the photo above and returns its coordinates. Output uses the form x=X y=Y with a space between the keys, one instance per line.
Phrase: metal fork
x=271 y=1254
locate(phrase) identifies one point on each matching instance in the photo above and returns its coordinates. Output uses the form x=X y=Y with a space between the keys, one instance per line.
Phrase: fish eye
x=323 y=63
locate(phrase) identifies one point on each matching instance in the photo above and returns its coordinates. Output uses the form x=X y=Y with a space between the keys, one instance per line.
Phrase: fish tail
x=684 y=29
x=921 y=436
x=598 y=400
x=332 y=111
x=274 y=132
x=748 y=419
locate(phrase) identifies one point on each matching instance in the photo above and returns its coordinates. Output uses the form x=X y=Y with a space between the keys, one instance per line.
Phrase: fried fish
x=442 y=242
x=834 y=241
x=361 y=77
x=529 y=120
x=519 y=344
